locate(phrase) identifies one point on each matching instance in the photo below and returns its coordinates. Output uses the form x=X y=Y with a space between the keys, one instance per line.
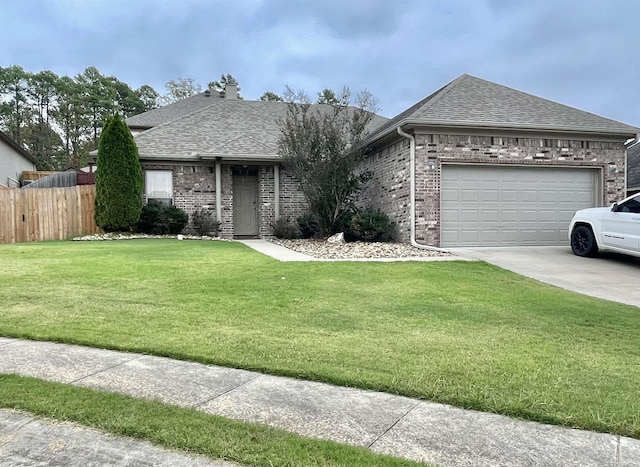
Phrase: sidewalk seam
x=200 y=404
x=616 y=461
x=394 y=424
x=104 y=369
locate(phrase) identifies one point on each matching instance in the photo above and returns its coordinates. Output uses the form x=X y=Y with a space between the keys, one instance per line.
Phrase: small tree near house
x=321 y=145
x=118 y=178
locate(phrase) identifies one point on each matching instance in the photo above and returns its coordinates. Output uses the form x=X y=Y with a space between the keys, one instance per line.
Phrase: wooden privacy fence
x=46 y=213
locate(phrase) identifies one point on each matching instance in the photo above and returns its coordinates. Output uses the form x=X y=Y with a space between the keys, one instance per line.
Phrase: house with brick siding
x=220 y=153
x=473 y=164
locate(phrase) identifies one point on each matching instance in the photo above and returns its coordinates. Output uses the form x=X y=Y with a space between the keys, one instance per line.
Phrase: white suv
x=616 y=228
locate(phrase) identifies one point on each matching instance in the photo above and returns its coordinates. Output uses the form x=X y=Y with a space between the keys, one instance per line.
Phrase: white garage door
x=503 y=206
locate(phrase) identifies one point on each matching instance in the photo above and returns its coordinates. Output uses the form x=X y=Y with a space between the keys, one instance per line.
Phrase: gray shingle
x=173 y=111
x=471 y=101
x=232 y=129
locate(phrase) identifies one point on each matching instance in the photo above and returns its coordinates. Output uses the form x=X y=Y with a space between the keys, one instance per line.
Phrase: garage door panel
x=470 y=215
x=509 y=216
x=490 y=215
x=469 y=195
x=489 y=196
x=449 y=195
x=512 y=205
x=508 y=196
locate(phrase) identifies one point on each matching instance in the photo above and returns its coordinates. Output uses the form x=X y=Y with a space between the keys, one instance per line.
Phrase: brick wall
x=292 y=202
x=389 y=187
x=266 y=201
x=194 y=188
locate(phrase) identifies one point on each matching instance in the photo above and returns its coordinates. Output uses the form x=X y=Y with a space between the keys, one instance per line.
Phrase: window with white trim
x=159 y=186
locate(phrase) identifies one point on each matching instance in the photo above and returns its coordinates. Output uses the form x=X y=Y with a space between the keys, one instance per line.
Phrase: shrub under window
x=160 y=219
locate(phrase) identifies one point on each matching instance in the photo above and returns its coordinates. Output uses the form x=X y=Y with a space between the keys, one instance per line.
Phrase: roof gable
x=468 y=101
x=13 y=145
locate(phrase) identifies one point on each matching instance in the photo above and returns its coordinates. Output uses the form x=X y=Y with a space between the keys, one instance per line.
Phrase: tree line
x=58 y=119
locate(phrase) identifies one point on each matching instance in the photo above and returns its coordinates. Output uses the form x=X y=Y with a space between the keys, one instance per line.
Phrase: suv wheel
x=583 y=242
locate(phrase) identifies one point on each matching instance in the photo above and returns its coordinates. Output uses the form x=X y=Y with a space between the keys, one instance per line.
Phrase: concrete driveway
x=609 y=275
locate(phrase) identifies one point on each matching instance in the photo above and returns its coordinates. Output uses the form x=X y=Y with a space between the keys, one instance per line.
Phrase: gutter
x=412 y=188
x=500 y=126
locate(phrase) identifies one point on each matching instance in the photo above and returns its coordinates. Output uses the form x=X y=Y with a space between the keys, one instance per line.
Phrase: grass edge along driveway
x=467 y=334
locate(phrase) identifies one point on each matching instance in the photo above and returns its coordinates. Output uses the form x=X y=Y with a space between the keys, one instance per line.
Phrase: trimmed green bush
x=284 y=228
x=205 y=223
x=308 y=226
x=344 y=225
x=118 y=178
x=372 y=225
x=160 y=219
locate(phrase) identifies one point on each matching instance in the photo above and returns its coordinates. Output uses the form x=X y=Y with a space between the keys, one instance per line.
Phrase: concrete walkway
x=388 y=424
x=276 y=251
x=285 y=254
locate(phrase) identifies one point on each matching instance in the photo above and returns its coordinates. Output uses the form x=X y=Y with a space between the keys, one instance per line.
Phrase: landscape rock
x=336 y=238
x=133 y=236
x=354 y=250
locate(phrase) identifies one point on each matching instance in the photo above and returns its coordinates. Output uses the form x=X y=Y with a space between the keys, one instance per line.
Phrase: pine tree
x=118 y=178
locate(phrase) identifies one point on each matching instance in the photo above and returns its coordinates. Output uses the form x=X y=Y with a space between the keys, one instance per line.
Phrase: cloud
x=578 y=52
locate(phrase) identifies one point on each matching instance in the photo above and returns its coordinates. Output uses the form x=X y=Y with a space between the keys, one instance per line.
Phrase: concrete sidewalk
x=388 y=424
x=25 y=440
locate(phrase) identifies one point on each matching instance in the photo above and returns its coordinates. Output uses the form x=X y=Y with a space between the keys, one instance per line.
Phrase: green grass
x=464 y=333
x=181 y=429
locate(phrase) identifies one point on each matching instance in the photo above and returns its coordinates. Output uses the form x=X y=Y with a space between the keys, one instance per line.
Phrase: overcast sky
x=583 y=53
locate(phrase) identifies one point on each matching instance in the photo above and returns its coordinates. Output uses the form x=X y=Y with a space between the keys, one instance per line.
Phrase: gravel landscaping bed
x=325 y=250
x=312 y=247
x=126 y=236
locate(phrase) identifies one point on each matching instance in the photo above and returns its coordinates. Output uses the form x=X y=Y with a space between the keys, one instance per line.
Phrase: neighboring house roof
x=4 y=137
x=468 y=101
x=633 y=166
x=173 y=111
x=231 y=129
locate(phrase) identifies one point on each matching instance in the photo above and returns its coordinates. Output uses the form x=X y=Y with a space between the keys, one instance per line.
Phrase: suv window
x=632 y=205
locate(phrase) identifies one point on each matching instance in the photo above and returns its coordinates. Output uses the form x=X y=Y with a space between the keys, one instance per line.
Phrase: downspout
x=218 y=192
x=276 y=191
x=412 y=197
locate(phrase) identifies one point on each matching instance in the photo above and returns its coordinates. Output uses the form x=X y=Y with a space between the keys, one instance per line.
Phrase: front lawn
x=468 y=334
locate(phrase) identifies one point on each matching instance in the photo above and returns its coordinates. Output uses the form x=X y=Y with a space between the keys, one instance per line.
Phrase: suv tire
x=583 y=242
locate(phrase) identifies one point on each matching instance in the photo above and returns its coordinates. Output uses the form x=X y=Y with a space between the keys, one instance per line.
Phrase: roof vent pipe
x=207 y=93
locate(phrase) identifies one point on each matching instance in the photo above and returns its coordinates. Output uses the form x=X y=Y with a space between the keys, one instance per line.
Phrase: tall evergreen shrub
x=118 y=178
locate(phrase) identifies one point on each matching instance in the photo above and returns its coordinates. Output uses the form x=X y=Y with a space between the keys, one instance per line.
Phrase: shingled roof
x=173 y=111
x=230 y=129
x=468 y=101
